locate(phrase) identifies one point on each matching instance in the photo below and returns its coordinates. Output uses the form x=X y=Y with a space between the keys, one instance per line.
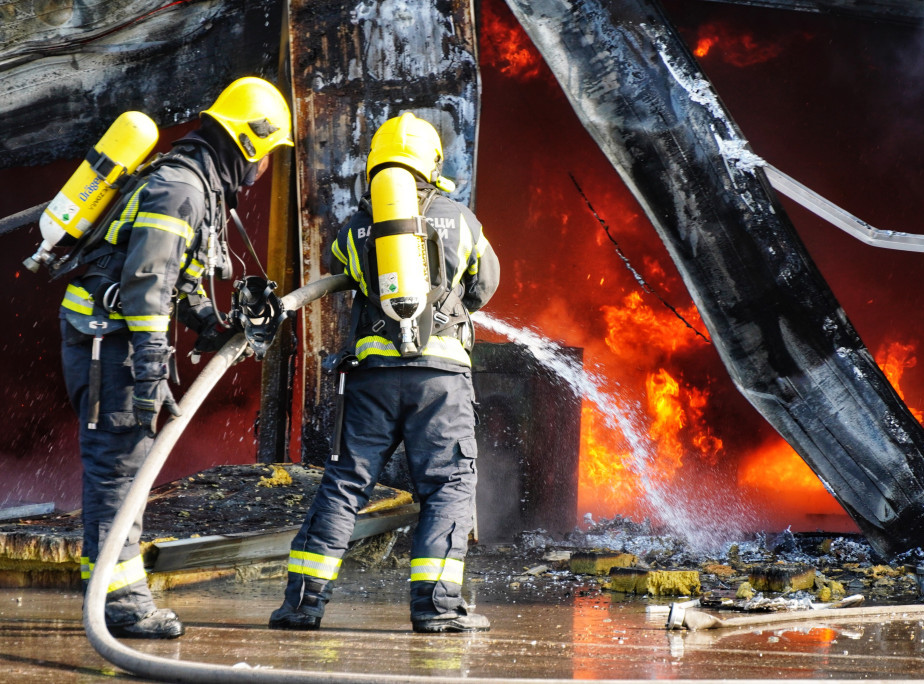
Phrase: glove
x=151 y=391
x=214 y=338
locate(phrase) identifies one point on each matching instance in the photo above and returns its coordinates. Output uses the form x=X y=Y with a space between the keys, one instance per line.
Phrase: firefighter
x=166 y=238
x=424 y=399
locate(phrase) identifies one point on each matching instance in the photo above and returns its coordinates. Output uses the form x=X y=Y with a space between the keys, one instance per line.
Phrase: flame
x=736 y=48
x=641 y=337
x=505 y=45
x=894 y=358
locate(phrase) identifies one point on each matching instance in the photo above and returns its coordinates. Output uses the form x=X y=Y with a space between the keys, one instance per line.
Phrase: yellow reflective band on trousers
x=125 y=573
x=148 y=323
x=314 y=564
x=438 y=346
x=437 y=570
x=79 y=300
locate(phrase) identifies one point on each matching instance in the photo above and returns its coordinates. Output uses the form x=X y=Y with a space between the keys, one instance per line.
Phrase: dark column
x=780 y=332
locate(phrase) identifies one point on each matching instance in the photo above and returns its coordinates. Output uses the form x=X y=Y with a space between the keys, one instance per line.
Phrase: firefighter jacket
x=472 y=271
x=153 y=256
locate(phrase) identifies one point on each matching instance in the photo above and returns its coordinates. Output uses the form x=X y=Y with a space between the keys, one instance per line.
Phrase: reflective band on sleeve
x=166 y=223
x=464 y=252
x=437 y=570
x=355 y=265
x=126 y=217
x=124 y=574
x=314 y=564
x=195 y=268
x=148 y=323
x=337 y=252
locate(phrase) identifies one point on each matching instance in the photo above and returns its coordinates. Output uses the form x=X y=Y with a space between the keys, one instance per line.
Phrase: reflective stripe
x=447 y=348
x=337 y=252
x=126 y=217
x=464 y=252
x=438 y=346
x=148 y=323
x=169 y=224
x=375 y=345
x=195 y=268
x=124 y=574
x=355 y=268
x=480 y=249
x=79 y=300
x=314 y=564
x=437 y=570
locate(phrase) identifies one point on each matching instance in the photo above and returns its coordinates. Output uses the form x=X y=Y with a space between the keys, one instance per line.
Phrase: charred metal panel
x=529 y=439
x=354 y=65
x=68 y=68
x=778 y=328
x=898 y=11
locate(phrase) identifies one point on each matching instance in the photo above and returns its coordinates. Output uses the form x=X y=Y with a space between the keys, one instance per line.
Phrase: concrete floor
x=551 y=627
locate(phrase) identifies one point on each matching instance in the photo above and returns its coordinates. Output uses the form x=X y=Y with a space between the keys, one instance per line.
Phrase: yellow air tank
x=87 y=194
x=401 y=250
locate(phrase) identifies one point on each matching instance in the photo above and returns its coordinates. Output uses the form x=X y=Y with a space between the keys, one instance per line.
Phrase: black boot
x=287 y=617
x=161 y=623
x=459 y=620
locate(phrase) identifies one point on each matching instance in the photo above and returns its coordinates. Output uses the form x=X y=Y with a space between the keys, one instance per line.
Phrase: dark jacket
x=471 y=267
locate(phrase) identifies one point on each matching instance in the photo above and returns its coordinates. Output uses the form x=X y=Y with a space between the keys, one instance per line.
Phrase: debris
x=654 y=582
x=782 y=578
x=594 y=563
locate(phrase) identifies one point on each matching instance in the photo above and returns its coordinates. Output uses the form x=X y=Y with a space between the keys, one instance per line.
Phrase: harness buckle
x=378 y=325
x=440 y=318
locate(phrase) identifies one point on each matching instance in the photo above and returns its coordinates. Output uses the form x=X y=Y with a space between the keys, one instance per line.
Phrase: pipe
x=697 y=619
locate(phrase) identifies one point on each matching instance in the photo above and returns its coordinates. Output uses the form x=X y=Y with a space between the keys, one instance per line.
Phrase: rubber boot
x=458 y=620
x=161 y=623
x=287 y=617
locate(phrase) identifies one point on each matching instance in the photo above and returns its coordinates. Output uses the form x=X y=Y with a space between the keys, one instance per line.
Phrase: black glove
x=213 y=338
x=151 y=391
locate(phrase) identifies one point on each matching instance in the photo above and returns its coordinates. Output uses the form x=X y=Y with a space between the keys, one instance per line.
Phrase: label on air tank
x=62 y=208
x=388 y=283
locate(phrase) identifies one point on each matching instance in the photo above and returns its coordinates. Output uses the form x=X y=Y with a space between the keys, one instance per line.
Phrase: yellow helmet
x=411 y=142
x=256 y=116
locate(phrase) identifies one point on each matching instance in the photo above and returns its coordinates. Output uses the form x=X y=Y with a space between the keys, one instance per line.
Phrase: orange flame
x=737 y=49
x=894 y=358
x=643 y=337
x=505 y=45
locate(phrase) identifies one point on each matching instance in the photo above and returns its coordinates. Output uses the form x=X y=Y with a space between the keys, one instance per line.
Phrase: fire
x=644 y=337
x=740 y=49
x=894 y=358
x=506 y=46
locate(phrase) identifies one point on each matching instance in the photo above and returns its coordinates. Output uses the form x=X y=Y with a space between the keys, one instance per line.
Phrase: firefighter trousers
x=111 y=456
x=432 y=412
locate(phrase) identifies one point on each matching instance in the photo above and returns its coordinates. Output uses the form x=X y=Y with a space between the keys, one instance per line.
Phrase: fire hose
x=166 y=669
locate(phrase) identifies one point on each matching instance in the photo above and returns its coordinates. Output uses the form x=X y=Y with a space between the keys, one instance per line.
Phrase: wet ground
x=552 y=626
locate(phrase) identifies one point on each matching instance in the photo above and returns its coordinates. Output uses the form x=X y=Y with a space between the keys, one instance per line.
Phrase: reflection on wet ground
x=549 y=627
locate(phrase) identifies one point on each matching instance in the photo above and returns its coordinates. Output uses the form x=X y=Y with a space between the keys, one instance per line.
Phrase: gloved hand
x=151 y=391
x=214 y=338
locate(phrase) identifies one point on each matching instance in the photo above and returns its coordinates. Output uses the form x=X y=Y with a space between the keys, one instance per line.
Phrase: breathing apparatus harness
x=444 y=310
x=255 y=308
